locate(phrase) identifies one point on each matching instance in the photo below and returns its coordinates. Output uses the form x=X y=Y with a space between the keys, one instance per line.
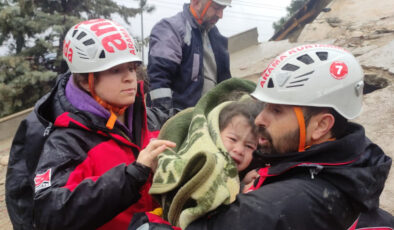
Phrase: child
x=238 y=132
x=216 y=153
x=200 y=174
x=94 y=167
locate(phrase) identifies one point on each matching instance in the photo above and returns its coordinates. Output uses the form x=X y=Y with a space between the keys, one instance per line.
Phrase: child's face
x=118 y=85
x=239 y=141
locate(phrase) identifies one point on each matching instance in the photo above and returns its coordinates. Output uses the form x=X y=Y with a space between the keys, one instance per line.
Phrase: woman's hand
x=148 y=156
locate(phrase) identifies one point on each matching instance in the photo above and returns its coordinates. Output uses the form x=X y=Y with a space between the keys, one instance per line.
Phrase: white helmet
x=97 y=45
x=223 y=2
x=314 y=75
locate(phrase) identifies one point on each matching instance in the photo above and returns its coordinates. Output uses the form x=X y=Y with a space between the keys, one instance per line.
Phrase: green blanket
x=198 y=175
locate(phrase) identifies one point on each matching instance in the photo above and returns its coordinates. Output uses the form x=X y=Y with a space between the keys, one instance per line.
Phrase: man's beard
x=284 y=144
x=207 y=25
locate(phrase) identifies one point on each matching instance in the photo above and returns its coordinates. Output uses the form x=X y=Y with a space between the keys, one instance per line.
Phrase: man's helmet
x=223 y=2
x=314 y=75
x=97 y=45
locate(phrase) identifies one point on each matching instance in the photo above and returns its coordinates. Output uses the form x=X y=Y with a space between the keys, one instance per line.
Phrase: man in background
x=187 y=55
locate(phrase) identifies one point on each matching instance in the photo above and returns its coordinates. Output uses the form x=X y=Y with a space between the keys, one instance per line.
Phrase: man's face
x=278 y=128
x=213 y=14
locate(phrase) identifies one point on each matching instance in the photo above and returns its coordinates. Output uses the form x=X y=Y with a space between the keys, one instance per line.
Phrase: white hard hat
x=97 y=45
x=314 y=75
x=223 y=2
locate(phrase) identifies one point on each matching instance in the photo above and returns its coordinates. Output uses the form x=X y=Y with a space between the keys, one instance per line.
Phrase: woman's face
x=117 y=85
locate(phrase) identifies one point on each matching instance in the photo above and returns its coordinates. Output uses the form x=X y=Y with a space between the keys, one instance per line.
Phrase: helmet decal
x=68 y=52
x=338 y=70
x=98 y=44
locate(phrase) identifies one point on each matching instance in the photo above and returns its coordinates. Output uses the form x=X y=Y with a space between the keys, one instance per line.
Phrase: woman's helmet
x=314 y=75
x=97 y=45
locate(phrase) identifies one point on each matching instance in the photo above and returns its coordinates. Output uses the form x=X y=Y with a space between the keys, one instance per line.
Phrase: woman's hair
x=248 y=108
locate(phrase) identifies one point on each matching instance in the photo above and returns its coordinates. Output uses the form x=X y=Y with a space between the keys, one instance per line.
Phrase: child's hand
x=249 y=180
x=149 y=154
x=250 y=176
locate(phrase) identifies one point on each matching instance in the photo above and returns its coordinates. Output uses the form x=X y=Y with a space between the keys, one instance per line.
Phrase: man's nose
x=219 y=13
x=261 y=119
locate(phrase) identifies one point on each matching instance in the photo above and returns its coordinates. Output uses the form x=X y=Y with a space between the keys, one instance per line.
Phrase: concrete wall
x=9 y=124
x=243 y=40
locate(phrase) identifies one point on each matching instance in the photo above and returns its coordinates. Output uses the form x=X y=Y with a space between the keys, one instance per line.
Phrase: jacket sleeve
x=94 y=200
x=157 y=117
x=165 y=55
x=289 y=205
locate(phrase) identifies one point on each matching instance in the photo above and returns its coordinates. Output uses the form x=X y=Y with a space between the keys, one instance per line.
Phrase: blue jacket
x=175 y=67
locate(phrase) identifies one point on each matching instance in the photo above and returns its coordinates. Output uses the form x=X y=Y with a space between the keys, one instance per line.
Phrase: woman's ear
x=320 y=127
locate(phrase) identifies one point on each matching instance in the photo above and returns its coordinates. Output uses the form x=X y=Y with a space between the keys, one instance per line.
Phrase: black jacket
x=92 y=173
x=325 y=187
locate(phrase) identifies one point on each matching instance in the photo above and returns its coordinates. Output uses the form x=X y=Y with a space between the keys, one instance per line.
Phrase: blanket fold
x=198 y=175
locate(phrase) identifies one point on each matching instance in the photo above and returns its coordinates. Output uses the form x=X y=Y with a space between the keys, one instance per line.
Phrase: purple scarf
x=83 y=101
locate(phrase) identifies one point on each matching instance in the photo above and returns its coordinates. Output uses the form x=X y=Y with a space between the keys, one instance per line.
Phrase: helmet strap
x=200 y=18
x=114 y=110
x=301 y=124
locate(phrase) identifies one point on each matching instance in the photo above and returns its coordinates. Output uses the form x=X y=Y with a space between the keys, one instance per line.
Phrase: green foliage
x=34 y=29
x=21 y=83
x=294 y=6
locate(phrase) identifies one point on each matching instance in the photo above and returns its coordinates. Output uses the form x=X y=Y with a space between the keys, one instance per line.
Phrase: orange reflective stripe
x=205 y=9
x=91 y=84
x=194 y=13
x=301 y=124
x=111 y=121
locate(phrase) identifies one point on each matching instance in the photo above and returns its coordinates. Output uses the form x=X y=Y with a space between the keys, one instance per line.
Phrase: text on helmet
x=111 y=35
x=267 y=72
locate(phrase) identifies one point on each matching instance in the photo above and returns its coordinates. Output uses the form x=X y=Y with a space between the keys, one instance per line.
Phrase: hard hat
x=97 y=45
x=223 y=2
x=314 y=75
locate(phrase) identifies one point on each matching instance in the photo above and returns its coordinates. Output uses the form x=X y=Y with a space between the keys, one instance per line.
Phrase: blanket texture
x=198 y=175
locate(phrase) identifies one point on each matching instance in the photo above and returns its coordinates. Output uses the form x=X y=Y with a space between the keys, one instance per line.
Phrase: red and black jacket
x=86 y=175
x=326 y=187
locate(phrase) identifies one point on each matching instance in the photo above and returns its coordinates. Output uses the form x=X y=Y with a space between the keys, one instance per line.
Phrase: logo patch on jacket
x=43 y=180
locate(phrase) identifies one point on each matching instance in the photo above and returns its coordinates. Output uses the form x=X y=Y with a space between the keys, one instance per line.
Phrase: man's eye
x=275 y=109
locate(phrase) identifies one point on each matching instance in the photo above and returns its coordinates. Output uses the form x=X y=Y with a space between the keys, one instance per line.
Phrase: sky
x=241 y=16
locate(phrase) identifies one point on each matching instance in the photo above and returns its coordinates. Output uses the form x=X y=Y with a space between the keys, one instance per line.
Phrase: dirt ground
x=5 y=223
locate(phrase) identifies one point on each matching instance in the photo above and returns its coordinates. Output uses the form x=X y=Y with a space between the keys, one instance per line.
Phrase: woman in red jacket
x=94 y=168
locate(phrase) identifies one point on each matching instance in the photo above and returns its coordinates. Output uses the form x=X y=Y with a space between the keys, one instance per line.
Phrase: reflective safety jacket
x=175 y=66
